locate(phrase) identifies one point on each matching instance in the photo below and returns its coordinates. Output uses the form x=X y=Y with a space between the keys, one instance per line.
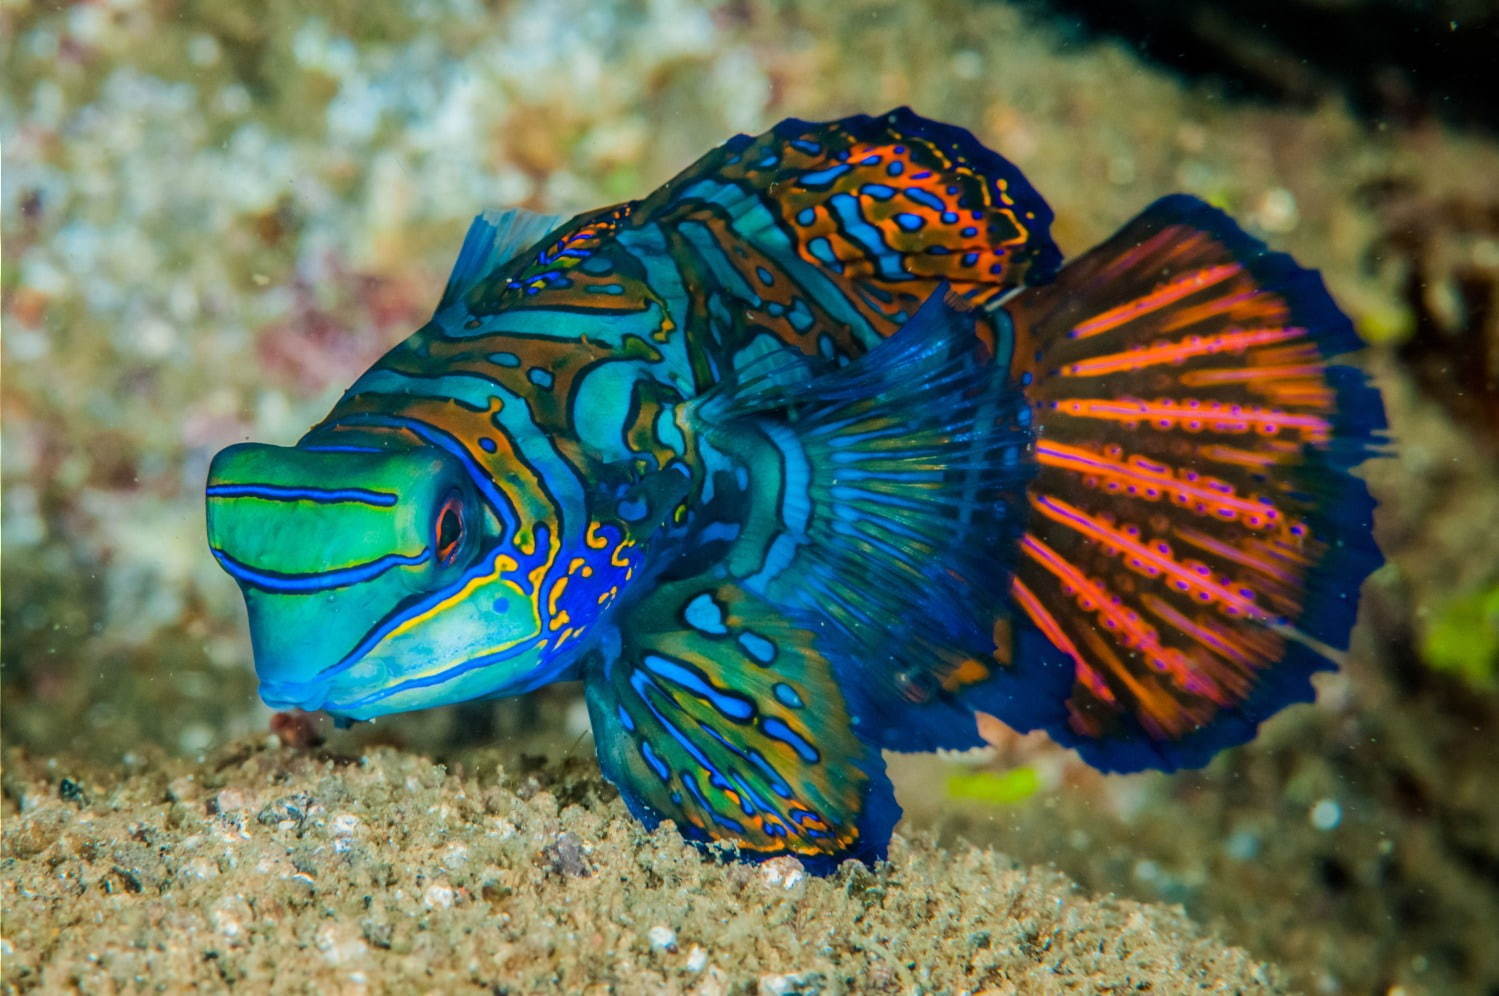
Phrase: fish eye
x=449 y=529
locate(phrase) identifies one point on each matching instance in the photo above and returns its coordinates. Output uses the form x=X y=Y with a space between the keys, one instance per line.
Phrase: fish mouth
x=309 y=696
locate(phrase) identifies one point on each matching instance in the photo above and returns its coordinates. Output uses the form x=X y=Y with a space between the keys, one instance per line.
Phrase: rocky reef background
x=215 y=215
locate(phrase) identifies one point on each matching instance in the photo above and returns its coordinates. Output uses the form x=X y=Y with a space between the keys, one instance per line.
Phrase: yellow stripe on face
x=502 y=563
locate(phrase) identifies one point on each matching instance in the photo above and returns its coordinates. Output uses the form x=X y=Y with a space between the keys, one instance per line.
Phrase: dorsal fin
x=494 y=238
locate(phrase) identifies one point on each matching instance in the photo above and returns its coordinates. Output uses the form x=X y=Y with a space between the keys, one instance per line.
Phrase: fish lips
x=376 y=686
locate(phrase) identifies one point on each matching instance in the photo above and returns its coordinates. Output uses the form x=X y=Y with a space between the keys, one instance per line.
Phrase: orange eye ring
x=447 y=530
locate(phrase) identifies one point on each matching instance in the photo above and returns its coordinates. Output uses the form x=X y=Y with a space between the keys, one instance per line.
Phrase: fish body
x=819 y=451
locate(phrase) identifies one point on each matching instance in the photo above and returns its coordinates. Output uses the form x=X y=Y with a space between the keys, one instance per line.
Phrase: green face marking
x=375 y=581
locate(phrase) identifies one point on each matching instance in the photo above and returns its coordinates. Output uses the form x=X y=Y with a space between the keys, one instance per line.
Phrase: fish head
x=375 y=580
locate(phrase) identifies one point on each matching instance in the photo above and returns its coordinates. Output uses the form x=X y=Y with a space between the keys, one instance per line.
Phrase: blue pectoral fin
x=723 y=716
x=494 y=238
x=904 y=477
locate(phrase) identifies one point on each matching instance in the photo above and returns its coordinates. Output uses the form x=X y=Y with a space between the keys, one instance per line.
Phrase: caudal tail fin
x=1195 y=541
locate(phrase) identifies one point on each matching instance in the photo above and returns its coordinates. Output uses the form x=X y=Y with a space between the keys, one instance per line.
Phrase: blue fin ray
x=916 y=457
x=494 y=238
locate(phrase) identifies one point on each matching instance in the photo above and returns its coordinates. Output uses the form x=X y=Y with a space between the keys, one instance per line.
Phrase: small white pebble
x=697 y=959
x=339 y=946
x=344 y=824
x=455 y=855
x=662 y=938
x=785 y=871
x=1276 y=211
x=1242 y=845
x=195 y=737
x=438 y=896
x=200 y=868
x=1326 y=815
x=230 y=799
x=781 y=985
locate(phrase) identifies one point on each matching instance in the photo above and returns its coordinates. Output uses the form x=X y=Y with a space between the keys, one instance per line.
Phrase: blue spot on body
x=540 y=377
x=896 y=168
x=504 y=359
x=705 y=615
x=969 y=232
x=806 y=216
x=823 y=178
x=924 y=197
x=486 y=444
x=809 y=147
x=910 y=222
x=878 y=191
x=949 y=217
x=800 y=316
x=822 y=250
x=500 y=605
x=758 y=647
x=970 y=258
x=787 y=696
x=633 y=509
x=766 y=277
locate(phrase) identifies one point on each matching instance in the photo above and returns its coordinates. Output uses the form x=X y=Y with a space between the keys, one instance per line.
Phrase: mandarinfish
x=818 y=451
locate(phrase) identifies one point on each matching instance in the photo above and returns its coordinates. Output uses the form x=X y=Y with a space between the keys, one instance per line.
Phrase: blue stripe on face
x=277 y=492
x=340 y=448
x=463 y=667
x=429 y=434
x=289 y=584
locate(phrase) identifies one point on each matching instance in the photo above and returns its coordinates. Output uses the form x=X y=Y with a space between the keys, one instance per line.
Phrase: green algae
x=1462 y=638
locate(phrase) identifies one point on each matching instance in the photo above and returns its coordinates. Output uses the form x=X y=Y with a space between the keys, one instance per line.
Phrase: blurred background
x=216 y=215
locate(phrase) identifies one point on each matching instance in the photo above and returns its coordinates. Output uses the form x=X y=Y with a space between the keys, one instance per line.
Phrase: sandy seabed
x=266 y=868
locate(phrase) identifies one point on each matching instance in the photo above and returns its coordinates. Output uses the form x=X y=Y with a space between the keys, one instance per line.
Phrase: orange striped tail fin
x=1195 y=540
